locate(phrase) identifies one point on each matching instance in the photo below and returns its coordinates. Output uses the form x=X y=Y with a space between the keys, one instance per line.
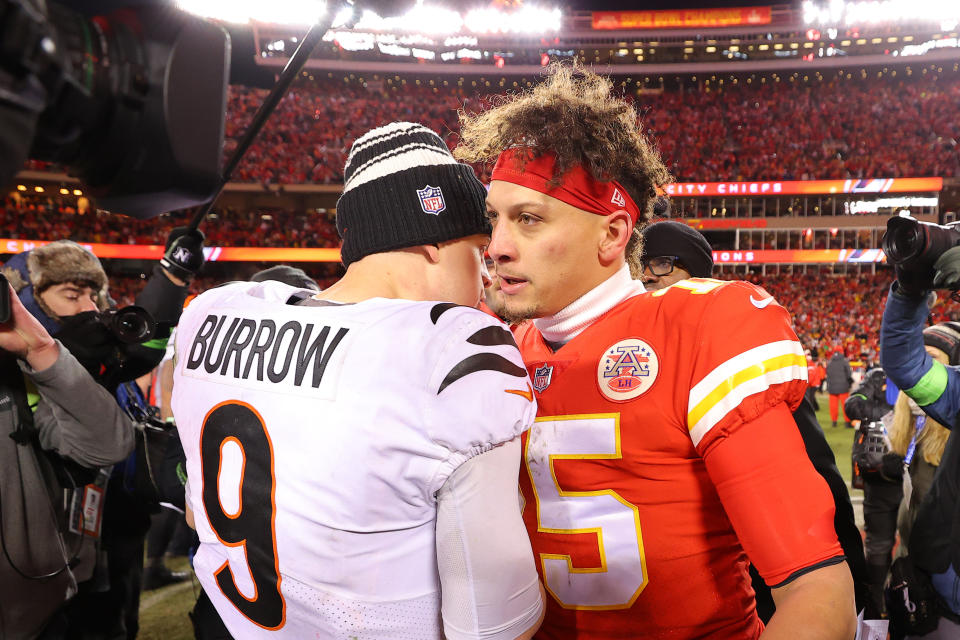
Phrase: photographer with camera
x=58 y=426
x=65 y=288
x=925 y=257
x=867 y=407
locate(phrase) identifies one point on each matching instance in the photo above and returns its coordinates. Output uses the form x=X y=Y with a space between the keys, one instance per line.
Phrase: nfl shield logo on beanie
x=388 y=186
x=431 y=200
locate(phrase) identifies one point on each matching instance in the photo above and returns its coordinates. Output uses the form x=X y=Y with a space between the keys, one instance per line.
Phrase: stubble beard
x=518 y=314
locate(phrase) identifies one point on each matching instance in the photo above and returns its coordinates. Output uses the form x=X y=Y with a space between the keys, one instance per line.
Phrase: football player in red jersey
x=664 y=453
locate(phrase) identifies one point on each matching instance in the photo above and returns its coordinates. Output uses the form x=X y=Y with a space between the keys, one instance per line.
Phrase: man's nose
x=501 y=247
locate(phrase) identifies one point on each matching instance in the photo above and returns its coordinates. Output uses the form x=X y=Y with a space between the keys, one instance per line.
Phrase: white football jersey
x=316 y=439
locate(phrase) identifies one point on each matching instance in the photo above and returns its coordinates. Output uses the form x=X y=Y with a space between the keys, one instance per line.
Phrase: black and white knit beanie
x=403 y=188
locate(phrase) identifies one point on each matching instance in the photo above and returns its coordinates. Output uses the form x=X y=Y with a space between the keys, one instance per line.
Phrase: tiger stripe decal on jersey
x=492 y=336
x=439 y=309
x=489 y=336
x=481 y=362
x=743 y=375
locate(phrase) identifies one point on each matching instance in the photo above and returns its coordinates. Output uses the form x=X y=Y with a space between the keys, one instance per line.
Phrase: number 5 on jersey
x=619 y=577
x=230 y=426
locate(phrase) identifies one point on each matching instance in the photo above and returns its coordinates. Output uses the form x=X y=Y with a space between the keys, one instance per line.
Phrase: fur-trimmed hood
x=33 y=271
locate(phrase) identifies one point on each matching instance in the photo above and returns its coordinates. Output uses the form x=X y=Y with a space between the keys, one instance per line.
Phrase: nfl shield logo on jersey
x=541 y=377
x=431 y=200
x=627 y=370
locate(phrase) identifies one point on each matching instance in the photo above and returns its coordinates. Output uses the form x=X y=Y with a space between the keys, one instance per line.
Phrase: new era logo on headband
x=617 y=198
x=431 y=200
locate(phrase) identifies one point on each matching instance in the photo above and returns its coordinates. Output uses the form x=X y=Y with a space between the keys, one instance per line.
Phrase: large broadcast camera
x=131 y=103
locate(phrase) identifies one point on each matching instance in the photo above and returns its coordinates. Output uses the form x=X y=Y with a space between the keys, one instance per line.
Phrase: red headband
x=577 y=187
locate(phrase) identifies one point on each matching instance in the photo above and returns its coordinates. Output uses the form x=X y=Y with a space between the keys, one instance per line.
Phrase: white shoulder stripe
x=750 y=372
x=406 y=157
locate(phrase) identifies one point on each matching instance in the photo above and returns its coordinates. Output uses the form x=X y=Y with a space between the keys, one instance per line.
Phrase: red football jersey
x=628 y=530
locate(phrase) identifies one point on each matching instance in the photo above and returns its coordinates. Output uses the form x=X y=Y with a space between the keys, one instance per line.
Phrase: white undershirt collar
x=569 y=322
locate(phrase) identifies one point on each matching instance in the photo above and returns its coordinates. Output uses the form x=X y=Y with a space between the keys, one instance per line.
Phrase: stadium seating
x=748 y=130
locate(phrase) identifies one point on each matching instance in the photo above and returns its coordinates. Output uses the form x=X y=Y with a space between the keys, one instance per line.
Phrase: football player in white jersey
x=353 y=455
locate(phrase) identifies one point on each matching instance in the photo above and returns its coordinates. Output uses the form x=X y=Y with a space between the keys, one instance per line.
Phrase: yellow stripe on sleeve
x=729 y=385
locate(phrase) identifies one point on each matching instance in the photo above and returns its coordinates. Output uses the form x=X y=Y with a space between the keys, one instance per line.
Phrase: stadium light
x=286 y=12
x=527 y=19
x=343 y=17
x=924 y=47
x=350 y=40
x=420 y=19
x=946 y=13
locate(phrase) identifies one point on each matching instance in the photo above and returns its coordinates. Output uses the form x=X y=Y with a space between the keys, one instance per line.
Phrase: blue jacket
x=932 y=385
x=935 y=541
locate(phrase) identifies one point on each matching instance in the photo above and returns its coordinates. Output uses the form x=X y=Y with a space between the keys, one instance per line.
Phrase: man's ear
x=432 y=251
x=618 y=226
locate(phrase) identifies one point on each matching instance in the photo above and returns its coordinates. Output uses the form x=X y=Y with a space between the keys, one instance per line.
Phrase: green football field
x=163 y=613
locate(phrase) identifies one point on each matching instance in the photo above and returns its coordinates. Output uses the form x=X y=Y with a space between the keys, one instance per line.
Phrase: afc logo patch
x=542 y=377
x=627 y=370
x=431 y=200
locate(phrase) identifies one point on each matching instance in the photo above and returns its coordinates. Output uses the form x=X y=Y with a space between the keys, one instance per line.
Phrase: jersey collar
x=562 y=327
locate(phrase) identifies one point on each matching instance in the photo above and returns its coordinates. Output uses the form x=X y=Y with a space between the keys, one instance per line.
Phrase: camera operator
x=65 y=288
x=54 y=418
x=923 y=261
x=882 y=492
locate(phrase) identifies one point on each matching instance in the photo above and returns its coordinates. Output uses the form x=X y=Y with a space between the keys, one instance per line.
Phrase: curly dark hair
x=574 y=115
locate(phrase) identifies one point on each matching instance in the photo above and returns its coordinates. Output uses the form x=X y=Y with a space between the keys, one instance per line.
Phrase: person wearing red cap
x=664 y=457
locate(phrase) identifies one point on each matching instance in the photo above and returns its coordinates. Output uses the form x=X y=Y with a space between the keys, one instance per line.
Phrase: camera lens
x=903 y=239
x=131 y=325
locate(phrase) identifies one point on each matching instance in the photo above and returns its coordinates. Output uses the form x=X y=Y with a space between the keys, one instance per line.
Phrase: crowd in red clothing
x=308 y=137
x=886 y=127
x=892 y=126
x=262 y=227
x=838 y=129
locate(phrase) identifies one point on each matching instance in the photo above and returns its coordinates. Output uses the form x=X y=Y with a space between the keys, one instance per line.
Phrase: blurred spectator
x=672 y=251
x=816 y=374
x=839 y=380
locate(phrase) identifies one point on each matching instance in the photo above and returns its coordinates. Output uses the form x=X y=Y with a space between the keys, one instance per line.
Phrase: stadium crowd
x=892 y=126
x=46 y=218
